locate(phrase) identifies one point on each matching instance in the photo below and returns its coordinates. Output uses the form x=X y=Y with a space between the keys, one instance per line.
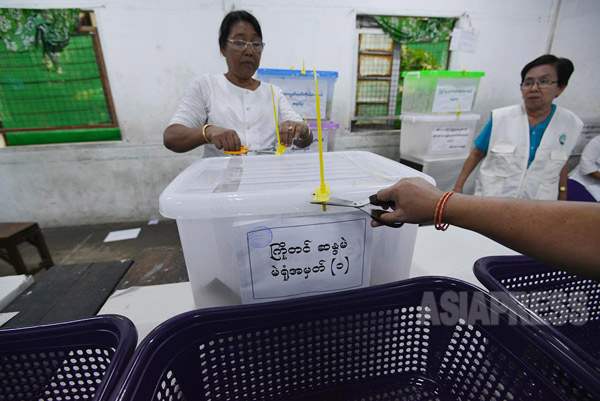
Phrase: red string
x=439 y=211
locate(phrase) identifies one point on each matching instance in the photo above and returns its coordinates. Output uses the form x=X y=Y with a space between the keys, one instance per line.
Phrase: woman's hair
x=564 y=67
x=233 y=17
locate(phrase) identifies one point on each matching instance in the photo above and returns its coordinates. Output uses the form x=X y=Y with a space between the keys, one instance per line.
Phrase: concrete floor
x=84 y=244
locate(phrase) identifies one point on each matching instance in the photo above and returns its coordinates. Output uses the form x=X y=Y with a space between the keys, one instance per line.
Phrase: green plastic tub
x=439 y=91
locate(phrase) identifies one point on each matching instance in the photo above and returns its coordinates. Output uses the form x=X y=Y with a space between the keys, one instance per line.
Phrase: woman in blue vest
x=525 y=147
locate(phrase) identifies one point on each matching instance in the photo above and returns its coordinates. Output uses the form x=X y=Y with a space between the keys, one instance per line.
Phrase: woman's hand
x=415 y=201
x=223 y=138
x=291 y=130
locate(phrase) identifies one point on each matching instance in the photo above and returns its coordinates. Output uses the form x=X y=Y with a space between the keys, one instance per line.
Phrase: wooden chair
x=13 y=234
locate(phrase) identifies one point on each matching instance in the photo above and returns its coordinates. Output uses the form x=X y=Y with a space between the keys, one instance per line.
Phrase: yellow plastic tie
x=280 y=148
x=303 y=69
x=458 y=110
x=322 y=192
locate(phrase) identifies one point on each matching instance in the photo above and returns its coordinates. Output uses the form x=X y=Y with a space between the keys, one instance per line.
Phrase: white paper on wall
x=450 y=140
x=464 y=40
x=454 y=94
x=299 y=256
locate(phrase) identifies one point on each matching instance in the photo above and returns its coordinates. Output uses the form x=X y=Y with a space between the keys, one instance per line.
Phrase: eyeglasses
x=543 y=84
x=241 y=45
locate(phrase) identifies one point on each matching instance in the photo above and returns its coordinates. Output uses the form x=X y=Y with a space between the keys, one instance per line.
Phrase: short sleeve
x=286 y=113
x=483 y=140
x=590 y=157
x=192 y=110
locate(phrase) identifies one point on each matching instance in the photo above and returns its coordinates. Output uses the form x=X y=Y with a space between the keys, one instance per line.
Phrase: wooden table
x=66 y=293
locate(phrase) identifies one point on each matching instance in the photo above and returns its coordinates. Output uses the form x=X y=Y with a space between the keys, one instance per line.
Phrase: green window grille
x=417 y=44
x=48 y=97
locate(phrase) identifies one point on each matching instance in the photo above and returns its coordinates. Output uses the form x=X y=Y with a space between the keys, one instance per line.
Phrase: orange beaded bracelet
x=439 y=210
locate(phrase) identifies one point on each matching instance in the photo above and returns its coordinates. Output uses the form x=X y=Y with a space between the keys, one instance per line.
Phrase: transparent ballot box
x=247 y=223
x=439 y=91
x=299 y=89
x=437 y=134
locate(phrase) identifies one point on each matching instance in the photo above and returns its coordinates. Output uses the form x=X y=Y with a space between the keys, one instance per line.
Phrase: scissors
x=243 y=150
x=360 y=204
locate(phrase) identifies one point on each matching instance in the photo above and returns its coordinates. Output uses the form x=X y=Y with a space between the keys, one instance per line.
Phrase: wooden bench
x=13 y=234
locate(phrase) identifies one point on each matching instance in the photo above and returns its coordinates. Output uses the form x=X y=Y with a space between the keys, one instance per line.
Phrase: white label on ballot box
x=453 y=93
x=450 y=140
x=292 y=257
x=300 y=93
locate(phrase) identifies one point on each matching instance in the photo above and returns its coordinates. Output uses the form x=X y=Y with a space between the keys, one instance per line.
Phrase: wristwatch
x=306 y=137
x=562 y=189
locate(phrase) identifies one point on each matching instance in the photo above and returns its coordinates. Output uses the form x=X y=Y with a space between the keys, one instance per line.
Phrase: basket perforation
x=569 y=303
x=279 y=361
x=384 y=343
x=77 y=360
x=67 y=374
x=559 y=378
x=168 y=388
x=476 y=369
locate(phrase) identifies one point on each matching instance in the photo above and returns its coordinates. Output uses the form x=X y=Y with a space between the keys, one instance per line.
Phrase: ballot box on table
x=443 y=169
x=437 y=134
x=247 y=222
x=439 y=91
x=299 y=89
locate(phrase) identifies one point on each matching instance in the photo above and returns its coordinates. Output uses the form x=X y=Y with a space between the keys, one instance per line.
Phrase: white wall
x=577 y=37
x=153 y=49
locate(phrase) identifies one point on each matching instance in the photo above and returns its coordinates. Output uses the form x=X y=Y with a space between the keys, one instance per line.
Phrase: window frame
x=386 y=121
x=394 y=77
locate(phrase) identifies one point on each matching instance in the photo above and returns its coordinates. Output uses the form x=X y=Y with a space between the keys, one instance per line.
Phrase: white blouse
x=212 y=99
x=589 y=163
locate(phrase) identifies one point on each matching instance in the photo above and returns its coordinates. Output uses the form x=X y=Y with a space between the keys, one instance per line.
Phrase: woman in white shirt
x=225 y=111
x=584 y=180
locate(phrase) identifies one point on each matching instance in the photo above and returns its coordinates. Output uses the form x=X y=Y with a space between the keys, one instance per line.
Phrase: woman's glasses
x=542 y=84
x=241 y=45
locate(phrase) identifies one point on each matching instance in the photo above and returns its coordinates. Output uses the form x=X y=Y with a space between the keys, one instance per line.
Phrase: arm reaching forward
x=565 y=235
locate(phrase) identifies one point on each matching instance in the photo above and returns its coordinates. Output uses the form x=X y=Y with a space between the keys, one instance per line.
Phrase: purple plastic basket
x=569 y=304
x=78 y=360
x=381 y=342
